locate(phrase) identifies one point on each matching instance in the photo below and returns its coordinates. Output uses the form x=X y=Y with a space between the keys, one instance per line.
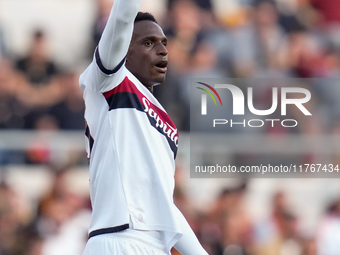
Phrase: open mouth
x=162 y=66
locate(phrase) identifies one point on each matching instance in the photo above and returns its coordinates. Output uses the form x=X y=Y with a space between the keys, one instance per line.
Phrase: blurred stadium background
x=46 y=44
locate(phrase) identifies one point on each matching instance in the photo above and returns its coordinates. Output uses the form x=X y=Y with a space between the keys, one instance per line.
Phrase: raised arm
x=114 y=43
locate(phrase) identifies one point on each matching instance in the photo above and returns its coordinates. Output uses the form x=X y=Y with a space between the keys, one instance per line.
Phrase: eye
x=165 y=43
x=148 y=43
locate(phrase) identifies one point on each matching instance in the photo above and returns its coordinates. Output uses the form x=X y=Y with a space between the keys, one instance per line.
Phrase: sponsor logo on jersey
x=165 y=127
x=126 y=95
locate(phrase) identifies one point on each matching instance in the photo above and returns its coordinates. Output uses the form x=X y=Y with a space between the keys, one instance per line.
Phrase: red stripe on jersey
x=125 y=86
x=128 y=86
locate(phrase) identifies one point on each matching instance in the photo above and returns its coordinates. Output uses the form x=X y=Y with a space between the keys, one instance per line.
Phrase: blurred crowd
x=53 y=223
x=227 y=229
x=257 y=39
x=56 y=222
x=253 y=39
x=36 y=93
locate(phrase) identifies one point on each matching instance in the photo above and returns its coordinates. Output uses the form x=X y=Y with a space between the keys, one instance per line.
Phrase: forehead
x=147 y=28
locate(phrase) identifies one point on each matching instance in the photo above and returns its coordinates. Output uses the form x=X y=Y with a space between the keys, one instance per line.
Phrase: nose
x=162 y=50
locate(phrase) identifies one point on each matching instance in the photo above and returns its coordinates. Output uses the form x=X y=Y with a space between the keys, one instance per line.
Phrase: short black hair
x=145 y=16
x=38 y=34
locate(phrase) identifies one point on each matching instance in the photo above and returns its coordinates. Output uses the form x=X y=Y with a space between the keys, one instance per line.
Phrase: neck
x=150 y=88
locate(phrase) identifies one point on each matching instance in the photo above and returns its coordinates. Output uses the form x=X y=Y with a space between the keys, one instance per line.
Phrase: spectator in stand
x=236 y=226
x=12 y=110
x=192 y=54
x=37 y=67
x=13 y=217
x=63 y=217
x=57 y=224
x=227 y=229
x=69 y=113
x=306 y=55
x=328 y=238
x=39 y=79
x=279 y=235
x=260 y=47
x=309 y=247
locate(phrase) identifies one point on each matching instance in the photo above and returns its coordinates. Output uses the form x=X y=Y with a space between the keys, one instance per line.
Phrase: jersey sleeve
x=109 y=57
x=188 y=244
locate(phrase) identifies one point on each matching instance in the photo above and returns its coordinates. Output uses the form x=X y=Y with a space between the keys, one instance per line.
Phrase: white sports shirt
x=132 y=147
x=132 y=142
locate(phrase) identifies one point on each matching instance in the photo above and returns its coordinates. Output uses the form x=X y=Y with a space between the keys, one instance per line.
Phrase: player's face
x=147 y=57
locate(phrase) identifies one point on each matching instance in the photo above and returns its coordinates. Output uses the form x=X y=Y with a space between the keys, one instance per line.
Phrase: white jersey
x=132 y=146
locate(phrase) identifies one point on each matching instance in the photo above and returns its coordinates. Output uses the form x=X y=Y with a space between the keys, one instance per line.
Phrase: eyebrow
x=154 y=38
